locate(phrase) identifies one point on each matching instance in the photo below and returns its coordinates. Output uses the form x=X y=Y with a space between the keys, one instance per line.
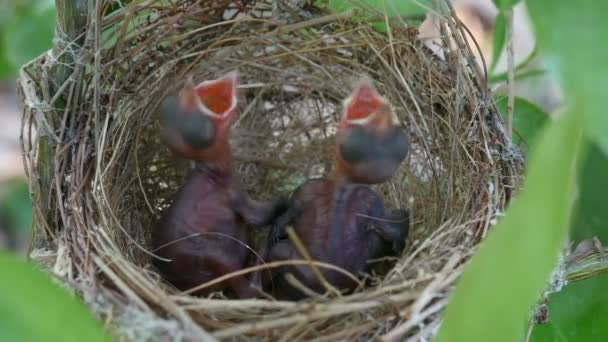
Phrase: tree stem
x=70 y=26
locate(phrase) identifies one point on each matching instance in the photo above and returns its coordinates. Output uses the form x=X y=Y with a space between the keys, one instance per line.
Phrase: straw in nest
x=100 y=178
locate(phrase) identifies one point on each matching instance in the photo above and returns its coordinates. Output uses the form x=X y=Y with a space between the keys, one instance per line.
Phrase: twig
x=446 y=276
x=317 y=311
x=302 y=250
x=530 y=328
x=293 y=281
x=396 y=334
x=271 y=265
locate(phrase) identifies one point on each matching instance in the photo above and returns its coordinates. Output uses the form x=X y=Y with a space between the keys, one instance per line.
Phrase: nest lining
x=100 y=177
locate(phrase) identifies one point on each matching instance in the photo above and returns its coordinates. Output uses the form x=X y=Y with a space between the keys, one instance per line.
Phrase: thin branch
x=530 y=328
x=302 y=250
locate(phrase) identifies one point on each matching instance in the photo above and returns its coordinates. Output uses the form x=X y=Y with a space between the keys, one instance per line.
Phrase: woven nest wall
x=100 y=178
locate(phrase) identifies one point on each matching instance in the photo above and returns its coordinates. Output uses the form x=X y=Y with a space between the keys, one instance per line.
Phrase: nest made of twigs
x=100 y=178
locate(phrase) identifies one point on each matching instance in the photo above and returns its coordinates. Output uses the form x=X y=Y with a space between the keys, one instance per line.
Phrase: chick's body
x=339 y=224
x=197 y=231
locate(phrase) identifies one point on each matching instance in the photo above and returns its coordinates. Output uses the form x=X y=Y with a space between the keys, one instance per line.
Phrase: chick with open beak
x=370 y=144
x=338 y=219
x=204 y=233
x=196 y=124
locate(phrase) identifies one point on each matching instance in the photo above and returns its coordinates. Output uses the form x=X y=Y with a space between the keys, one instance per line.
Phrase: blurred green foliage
x=16 y=207
x=528 y=119
x=410 y=10
x=577 y=313
x=33 y=308
x=498 y=43
x=506 y=275
x=592 y=216
x=505 y=4
x=521 y=71
x=572 y=36
x=391 y=7
x=26 y=31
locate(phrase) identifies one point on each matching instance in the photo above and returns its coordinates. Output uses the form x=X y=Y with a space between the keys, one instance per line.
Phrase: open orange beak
x=217 y=98
x=214 y=99
x=200 y=116
x=365 y=107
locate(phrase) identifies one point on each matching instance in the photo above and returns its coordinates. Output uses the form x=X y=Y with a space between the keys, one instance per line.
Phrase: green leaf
x=32 y=308
x=528 y=118
x=592 y=216
x=391 y=7
x=27 y=36
x=577 y=313
x=572 y=36
x=6 y=11
x=510 y=270
x=6 y=69
x=518 y=76
x=500 y=36
x=502 y=77
x=505 y=4
x=44 y=5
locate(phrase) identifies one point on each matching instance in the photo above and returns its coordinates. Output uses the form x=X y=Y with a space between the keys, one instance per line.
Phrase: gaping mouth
x=360 y=107
x=217 y=98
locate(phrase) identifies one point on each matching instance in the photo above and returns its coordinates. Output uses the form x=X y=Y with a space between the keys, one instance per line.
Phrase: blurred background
x=15 y=207
x=26 y=31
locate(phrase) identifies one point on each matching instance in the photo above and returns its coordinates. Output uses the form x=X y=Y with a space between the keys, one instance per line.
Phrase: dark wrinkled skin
x=209 y=214
x=338 y=223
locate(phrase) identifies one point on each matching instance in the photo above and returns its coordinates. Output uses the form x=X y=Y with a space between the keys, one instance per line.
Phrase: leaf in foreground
x=391 y=7
x=33 y=308
x=572 y=35
x=500 y=35
x=27 y=36
x=577 y=313
x=528 y=119
x=510 y=270
x=592 y=217
x=505 y=4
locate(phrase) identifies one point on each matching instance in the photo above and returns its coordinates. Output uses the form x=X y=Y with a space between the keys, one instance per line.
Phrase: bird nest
x=100 y=177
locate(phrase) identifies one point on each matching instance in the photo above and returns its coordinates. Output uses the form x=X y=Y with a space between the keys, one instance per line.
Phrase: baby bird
x=204 y=234
x=339 y=219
